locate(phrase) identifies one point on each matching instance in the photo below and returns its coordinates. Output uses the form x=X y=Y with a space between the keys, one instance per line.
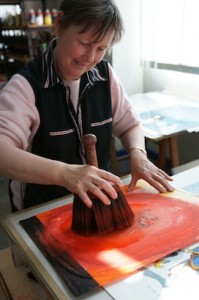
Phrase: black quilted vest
x=58 y=136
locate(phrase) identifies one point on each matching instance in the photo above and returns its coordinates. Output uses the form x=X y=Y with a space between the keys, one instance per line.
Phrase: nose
x=90 y=55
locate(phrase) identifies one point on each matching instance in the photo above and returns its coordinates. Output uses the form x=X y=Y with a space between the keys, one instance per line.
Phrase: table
x=188 y=180
x=142 y=284
x=164 y=144
x=163 y=117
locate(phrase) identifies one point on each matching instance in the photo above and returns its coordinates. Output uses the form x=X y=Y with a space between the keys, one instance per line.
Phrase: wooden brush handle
x=89 y=141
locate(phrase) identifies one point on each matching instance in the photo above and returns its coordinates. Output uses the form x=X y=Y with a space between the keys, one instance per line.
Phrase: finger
x=106 y=187
x=165 y=175
x=94 y=193
x=164 y=182
x=160 y=184
x=132 y=184
x=86 y=199
x=100 y=195
x=111 y=177
x=166 y=185
x=163 y=178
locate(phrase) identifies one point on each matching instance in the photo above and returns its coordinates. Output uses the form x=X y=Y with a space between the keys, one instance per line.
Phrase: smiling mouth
x=83 y=65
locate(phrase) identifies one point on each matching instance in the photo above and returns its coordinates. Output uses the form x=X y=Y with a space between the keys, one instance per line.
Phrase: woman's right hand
x=78 y=179
x=85 y=179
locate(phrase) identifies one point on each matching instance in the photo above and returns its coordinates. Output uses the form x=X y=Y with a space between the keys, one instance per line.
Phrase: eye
x=102 y=49
x=85 y=44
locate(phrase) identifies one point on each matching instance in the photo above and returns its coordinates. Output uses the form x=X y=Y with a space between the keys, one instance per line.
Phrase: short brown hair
x=102 y=15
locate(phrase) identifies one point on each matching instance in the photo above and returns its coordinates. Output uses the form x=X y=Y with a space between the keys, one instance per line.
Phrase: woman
x=69 y=91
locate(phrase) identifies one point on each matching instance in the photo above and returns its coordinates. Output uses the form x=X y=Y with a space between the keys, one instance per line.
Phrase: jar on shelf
x=31 y=16
x=47 y=17
x=54 y=13
x=39 y=17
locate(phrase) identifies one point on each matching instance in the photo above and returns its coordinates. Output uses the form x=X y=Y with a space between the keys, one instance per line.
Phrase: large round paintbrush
x=101 y=218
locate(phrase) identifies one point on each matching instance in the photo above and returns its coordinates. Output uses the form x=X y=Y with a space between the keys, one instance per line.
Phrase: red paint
x=162 y=225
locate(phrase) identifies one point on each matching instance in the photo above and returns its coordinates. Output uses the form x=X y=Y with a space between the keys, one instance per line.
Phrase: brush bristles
x=101 y=218
x=83 y=220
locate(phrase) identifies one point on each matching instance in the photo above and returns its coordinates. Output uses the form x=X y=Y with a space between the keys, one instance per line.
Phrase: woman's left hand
x=142 y=168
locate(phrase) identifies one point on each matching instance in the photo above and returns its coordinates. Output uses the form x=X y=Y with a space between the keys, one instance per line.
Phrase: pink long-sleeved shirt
x=19 y=117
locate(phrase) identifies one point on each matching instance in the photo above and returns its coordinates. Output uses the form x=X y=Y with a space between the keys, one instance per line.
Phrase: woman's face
x=76 y=53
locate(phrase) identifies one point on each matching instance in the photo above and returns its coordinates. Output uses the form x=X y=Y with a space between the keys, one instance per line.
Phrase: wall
x=126 y=54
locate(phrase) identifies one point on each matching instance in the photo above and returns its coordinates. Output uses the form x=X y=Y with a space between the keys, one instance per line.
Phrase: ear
x=57 y=26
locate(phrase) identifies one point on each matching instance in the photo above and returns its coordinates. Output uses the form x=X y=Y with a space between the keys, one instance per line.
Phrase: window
x=170 y=34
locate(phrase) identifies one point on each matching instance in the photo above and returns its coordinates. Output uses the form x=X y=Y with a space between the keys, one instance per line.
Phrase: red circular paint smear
x=162 y=225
